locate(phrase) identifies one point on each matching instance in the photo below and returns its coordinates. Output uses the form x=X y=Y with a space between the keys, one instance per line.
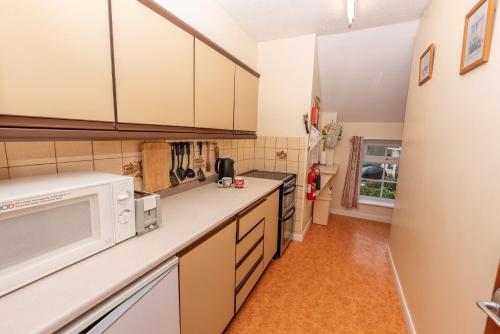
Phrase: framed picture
x=477 y=35
x=426 y=65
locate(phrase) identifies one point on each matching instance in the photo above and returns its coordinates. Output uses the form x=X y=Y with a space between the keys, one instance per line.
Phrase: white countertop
x=327 y=174
x=329 y=169
x=49 y=303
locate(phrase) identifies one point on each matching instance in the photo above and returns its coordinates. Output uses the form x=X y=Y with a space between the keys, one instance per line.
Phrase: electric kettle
x=224 y=167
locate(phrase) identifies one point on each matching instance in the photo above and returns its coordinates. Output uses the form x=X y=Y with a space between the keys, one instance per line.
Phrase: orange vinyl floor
x=337 y=281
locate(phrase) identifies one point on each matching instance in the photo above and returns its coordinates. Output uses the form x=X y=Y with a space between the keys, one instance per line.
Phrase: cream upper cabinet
x=153 y=67
x=214 y=88
x=55 y=59
x=206 y=282
x=245 y=100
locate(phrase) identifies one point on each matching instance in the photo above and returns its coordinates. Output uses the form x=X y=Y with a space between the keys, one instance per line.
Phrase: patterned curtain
x=351 y=186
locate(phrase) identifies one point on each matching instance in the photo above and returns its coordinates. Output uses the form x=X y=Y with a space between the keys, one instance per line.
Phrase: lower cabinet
x=217 y=274
x=271 y=229
x=207 y=280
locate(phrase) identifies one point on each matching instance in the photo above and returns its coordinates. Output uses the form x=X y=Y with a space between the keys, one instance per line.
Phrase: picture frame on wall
x=478 y=31
x=426 y=65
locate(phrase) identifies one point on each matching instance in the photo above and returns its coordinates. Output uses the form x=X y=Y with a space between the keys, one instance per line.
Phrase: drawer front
x=247 y=264
x=249 y=220
x=245 y=290
x=243 y=246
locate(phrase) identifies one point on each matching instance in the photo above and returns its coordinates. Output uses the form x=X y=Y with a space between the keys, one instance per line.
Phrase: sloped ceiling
x=274 y=19
x=365 y=70
x=365 y=74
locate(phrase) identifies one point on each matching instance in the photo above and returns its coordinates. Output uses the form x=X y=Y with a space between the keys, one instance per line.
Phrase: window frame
x=377 y=159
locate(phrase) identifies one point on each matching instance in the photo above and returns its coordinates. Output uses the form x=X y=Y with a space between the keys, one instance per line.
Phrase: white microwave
x=49 y=222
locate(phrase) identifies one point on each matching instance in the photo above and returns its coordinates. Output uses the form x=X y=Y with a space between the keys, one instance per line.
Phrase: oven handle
x=288 y=192
x=290 y=215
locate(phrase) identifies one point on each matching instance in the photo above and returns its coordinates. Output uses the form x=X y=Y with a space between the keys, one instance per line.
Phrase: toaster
x=147 y=211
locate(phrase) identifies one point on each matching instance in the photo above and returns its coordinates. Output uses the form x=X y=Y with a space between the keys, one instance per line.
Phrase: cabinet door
x=153 y=67
x=55 y=59
x=207 y=280
x=271 y=227
x=245 y=100
x=214 y=88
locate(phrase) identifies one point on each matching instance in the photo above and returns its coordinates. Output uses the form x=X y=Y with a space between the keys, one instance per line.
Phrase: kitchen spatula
x=173 y=179
x=179 y=152
x=199 y=173
x=208 y=167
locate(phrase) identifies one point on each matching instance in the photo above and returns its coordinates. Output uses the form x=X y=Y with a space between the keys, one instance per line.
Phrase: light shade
x=350 y=11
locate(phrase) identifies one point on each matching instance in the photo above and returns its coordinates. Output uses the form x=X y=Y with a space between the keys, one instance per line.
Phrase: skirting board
x=300 y=237
x=402 y=299
x=361 y=215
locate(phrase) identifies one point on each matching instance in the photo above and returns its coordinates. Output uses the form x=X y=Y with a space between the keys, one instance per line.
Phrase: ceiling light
x=350 y=12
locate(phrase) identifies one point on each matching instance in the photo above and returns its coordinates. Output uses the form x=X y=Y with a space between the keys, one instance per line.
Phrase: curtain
x=350 y=194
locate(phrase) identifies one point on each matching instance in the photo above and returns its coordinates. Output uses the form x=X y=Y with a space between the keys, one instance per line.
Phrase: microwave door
x=41 y=239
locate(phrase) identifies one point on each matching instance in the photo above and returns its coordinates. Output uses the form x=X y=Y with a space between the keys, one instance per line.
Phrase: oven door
x=288 y=199
x=287 y=222
x=43 y=234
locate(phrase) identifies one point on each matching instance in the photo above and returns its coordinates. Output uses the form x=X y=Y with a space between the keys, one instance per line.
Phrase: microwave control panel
x=124 y=209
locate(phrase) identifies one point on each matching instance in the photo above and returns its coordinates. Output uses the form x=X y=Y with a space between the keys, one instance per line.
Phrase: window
x=379 y=174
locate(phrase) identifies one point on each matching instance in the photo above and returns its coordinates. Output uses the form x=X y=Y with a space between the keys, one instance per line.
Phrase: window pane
x=389 y=190
x=393 y=152
x=377 y=150
x=372 y=171
x=391 y=172
x=370 y=188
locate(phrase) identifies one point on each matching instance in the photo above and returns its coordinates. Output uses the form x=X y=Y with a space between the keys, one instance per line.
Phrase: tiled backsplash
x=286 y=154
x=19 y=159
x=281 y=154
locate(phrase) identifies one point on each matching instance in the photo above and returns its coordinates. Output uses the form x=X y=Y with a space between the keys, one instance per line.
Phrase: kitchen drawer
x=243 y=246
x=247 y=221
x=247 y=264
x=245 y=290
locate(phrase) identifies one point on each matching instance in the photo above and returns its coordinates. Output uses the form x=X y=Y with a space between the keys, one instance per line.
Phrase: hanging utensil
x=208 y=167
x=173 y=179
x=199 y=173
x=199 y=161
x=179 y=151
x=189 y=172
x=216 y=150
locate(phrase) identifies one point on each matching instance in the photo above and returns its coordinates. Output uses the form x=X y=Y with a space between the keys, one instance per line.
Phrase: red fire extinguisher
x=314 y=116
x=311 y=184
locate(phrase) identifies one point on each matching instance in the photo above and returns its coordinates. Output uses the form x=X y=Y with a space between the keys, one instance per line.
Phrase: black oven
x=287 y=213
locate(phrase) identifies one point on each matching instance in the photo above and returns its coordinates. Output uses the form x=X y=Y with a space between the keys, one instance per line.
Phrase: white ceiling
x=274 y=19
x=365 y=74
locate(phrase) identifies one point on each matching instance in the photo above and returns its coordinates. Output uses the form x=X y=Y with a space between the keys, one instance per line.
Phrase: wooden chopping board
x=155 y=165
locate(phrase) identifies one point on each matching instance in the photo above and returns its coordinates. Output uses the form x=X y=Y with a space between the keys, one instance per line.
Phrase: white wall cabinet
x=214 y=88
x=246 y=95
x=153 y=67
x=55 y=59
x=56 y=62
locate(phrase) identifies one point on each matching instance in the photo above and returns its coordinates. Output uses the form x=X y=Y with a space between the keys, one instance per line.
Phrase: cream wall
x=316 y=84
x=386 y=131
x=211 y=20
x=445 y=237
x=289 y=81
x=286 y=67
